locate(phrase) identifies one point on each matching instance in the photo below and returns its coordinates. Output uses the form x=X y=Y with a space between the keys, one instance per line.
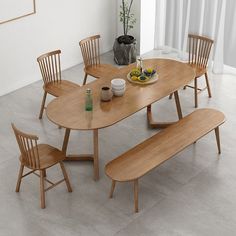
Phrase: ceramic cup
x=106 y=94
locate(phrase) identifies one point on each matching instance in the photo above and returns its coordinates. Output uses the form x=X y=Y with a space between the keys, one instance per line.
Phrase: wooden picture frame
x=17 y=15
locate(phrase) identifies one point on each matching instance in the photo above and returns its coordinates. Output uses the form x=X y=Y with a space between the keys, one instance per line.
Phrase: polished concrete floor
x=191 y=194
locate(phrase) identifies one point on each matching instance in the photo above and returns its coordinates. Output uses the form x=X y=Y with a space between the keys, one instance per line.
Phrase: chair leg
x=42 y=190
x=113 y=185
x=85 y=78
x=136 y=195
x=208 y=85
x=42 y=105
x=66 y=177
x=217 y=133
x=195 y=92
x=19 y=178
x=44 y=173
x=170 y=96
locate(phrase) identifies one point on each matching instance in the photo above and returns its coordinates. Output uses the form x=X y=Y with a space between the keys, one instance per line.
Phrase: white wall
x=147 y=25
x=56 y=25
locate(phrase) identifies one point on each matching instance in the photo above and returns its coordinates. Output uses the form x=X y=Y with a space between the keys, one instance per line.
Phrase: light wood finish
x=199 y=52
x=95 y=153
x=68 y=111
x=154 y=124
x=50 y=67
x=217 y=133
x=90 y=49
x=113 y=185
x=38 y=157
x=136 y=195
x=149 y=154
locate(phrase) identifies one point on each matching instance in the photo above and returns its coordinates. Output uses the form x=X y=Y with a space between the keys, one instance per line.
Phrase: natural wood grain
x=68 y=111
x=90 y=49
x=136 y=195
x=154 y=151
x=151 y=153
x=154 y=124
x=199 y=52
x=38 y=157
x=217 y=133
x=95 y=153
x=50 y=67
x=113 y=185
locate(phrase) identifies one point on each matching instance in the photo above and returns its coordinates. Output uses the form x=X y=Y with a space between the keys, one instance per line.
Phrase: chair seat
x=199 y=71
x=60 y=88
x=48 y=156
x=100 y=70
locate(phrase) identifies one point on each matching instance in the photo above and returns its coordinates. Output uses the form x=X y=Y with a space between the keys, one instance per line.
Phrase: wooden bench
x=149 y=154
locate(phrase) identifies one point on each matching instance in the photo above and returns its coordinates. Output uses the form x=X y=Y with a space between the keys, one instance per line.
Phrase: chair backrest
x=50 y=66
x=199 y=50
x=28 y=148
x=90 y=50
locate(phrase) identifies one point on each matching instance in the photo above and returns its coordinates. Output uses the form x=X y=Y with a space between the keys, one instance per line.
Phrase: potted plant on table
x=125 y=45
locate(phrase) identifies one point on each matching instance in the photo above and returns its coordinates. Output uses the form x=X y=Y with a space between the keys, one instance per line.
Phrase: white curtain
x=215 y=19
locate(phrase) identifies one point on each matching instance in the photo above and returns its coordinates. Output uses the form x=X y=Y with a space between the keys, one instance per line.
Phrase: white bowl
x=118 y=93
x=118 y=83
x=118 y=89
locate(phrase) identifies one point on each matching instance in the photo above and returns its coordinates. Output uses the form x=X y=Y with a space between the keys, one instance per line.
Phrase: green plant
x=126 y=17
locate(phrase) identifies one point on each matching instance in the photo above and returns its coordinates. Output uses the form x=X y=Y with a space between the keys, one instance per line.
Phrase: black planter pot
x=126 y=39
x=125 y=50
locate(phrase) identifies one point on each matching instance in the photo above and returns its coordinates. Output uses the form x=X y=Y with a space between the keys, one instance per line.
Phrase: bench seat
x=149 y=154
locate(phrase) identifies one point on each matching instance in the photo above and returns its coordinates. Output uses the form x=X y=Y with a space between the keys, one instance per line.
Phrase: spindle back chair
x=90 y=49
x=199 y=53
x=28 y=147
x=50 y=67
x=38 y=157
x=199 y=50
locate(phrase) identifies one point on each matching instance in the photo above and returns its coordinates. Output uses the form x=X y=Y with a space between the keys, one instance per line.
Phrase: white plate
x=152 y=80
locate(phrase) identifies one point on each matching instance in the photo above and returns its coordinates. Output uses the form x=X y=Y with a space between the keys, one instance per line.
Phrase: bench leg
x=136 y=195
x=113 y=185
x=217 y=133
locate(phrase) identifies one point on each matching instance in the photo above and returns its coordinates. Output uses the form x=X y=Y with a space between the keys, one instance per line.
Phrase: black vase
x=126 y=39
x=125 y=53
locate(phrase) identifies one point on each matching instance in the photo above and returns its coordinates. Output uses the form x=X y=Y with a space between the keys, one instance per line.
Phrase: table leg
x=154 y=124
x=95 y=155
x=66 y=140
x=162 y=125
x=84 y=157
x=177 y=102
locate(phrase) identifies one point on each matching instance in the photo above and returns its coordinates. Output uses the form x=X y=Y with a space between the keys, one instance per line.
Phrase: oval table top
x=68 y=111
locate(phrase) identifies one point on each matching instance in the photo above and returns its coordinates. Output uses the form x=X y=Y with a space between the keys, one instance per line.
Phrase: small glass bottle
x=89 y=100
x=139 y=64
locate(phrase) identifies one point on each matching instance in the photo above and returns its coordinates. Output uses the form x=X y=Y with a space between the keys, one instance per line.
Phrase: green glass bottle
x=89 y=100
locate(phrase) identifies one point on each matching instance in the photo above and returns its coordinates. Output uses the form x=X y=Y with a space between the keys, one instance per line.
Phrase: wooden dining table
x=68 y=111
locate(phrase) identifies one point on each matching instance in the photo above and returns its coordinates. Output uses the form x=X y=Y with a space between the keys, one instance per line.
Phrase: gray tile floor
x=191 y=194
